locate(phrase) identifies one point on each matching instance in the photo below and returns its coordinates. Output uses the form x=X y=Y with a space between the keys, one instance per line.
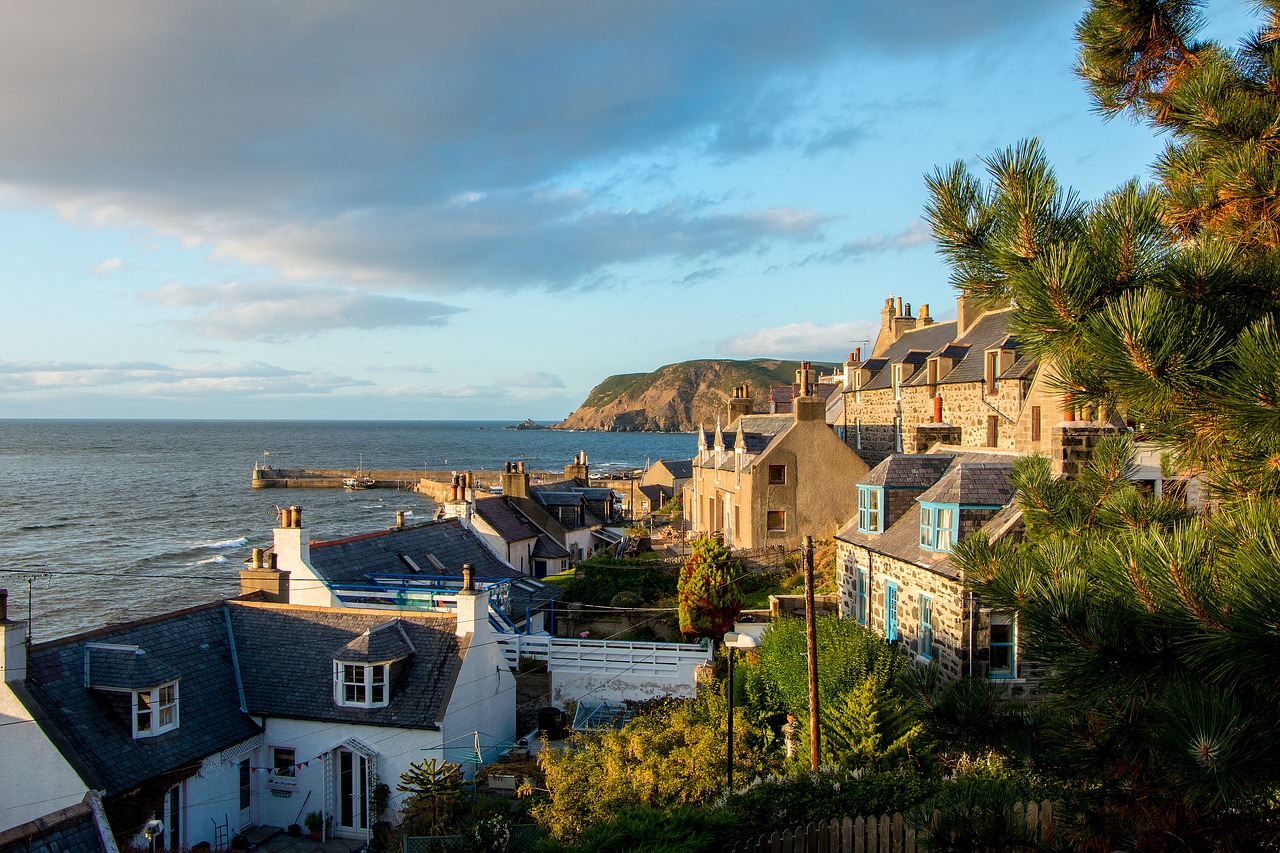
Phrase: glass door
x=353 y=798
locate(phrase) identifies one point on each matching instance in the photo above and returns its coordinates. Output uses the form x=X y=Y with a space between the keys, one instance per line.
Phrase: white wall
x=396 y=748
x=210 y=797
x=46 y=781
x=484 y=701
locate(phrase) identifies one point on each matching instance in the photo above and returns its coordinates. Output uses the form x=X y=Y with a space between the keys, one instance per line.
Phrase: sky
x=315 y=209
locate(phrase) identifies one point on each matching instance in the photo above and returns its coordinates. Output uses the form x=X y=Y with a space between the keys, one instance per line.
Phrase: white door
x=353 y=798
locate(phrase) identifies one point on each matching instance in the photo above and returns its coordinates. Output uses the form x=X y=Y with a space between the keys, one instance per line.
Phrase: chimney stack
x=925 y=319
x=473 y=608
x=740 y=403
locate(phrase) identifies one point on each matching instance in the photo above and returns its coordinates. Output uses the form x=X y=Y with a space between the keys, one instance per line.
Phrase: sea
x=107 y=521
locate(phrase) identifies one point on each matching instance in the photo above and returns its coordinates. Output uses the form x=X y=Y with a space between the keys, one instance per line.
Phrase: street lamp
x=735 y=640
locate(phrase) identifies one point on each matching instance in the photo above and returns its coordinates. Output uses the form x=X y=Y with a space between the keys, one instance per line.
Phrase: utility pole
x=811 y=633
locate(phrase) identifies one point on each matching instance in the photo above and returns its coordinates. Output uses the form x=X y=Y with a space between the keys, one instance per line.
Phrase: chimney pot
x=4 y=605
x=924 y=311
x=257 y=558
x=271 y=561
x=937 y=409
x=899 y=306
x=1068 y=411
x=468 y=578
x=399 y=518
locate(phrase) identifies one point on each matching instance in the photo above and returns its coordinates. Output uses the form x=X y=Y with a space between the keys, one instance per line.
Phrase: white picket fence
x=570 y=655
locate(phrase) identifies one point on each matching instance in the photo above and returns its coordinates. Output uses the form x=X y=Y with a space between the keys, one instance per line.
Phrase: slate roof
x=549 y=549
x=384 y=642
x=95 y=725
x=908 y=471
x=594 y=493
x=973 y=484
x=70 y=830
x=678 y=468
x=126 y=668
x=926 y=341
x=972 y=479
x=298 y=683
x=558 y=498
x=991 y=330
x=356 y=559
x=506 y=521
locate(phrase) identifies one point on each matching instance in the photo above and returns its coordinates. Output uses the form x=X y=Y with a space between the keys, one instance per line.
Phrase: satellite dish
x=153 y=829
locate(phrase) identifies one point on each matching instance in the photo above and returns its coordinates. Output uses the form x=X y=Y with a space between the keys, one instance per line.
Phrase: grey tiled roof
x=96 y=726
x=549 y=549
x=594 y=493
x=69 y=830
x=908 y=471
x=504 y=519
x=286 y=662
x=558 y=498
x=991 y=330
x=126 y=669
x=973 y=484
x=925 y=341
x=384 y=642
x=678 y=468
x=355 y=559
x=1024 y=367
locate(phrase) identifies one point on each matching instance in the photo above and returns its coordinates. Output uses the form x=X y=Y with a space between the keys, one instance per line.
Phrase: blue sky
x=312 y=209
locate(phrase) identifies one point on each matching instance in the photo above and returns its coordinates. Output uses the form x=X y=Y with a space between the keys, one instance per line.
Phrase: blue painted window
x=870 y=509
x=926 y=626
x=939 y=526
x=891 y=611
x=1002 y=648
x=861 y=592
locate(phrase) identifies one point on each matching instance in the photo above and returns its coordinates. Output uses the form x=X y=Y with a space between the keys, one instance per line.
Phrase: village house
x=662 y=481
x=405 y=566
x=769 y=480
x=240 y=712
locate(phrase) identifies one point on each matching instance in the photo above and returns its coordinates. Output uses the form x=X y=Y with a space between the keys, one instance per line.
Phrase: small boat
x=360 y=480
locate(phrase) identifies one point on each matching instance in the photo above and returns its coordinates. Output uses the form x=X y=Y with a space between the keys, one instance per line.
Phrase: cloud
x=271 y=312
x=915 y=233
x=233 y=379
x=421 y=146
x=537 y=379
x=109 y=265
x=820 y=342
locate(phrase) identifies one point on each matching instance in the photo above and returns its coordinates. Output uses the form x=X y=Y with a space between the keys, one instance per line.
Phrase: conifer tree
x=1158 y=302
x=709 y=597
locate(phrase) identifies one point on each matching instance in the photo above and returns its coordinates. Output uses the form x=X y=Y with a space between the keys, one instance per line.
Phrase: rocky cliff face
x=679 y=397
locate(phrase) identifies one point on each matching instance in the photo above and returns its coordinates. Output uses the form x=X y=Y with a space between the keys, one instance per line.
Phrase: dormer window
x=870 y=506
x=363 y=668
x=155 y=711
x=938 y=526
x=361 y=685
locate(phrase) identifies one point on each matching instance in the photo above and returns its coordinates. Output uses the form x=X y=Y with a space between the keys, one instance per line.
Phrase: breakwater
x=311 y=478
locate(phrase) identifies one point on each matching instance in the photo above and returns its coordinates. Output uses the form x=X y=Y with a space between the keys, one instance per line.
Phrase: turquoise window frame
x=931 y=523
x=860 y=597
x=926 y=627
x=1011 y=671
x=866 y=513
x=891 y=611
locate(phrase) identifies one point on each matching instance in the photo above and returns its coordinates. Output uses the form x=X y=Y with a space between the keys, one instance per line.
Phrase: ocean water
x=105 y=521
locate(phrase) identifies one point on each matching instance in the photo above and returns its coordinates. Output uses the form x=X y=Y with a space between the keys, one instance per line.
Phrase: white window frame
x=155 y=710
x=870 y=519
x=361 y=685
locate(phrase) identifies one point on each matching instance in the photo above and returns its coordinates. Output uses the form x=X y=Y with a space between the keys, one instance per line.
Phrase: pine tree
x=709 y=597
x=1158 y=302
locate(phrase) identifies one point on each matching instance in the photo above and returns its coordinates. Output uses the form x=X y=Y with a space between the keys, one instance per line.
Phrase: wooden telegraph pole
x=811 y=632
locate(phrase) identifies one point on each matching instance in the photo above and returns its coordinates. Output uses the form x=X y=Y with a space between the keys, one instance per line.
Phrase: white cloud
x=236 y=312
x=817 y=341
x=109 y=265
x=154 y=379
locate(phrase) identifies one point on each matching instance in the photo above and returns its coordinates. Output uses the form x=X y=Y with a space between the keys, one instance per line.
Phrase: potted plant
x=314 y=822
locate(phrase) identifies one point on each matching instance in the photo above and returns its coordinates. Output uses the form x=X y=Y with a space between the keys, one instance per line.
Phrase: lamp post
x=734 y=640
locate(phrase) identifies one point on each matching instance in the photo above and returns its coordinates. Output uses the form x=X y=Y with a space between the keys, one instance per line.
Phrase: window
x=777 y=475
x=1002 y=660
x=861 y=602
x=776 y=520
x=870 y=502
x=897 y=435
x=992 y=363
x=155 y=711
x=282 y=762
x=938 y=526
x=993 y=430
x=857 y=387
x=1035 y=423
x=926 y=626
x=360 y=685
x=857 y=432
x=897 y=381
x=891 y=611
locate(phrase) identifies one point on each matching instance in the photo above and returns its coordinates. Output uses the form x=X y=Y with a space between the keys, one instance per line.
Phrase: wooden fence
x=884 y=834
